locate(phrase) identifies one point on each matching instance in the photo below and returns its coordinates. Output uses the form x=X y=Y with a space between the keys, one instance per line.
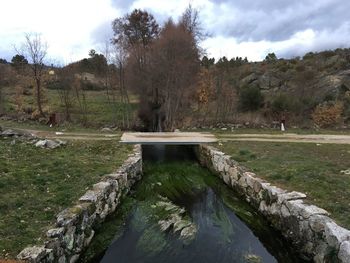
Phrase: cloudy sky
x=246 y=28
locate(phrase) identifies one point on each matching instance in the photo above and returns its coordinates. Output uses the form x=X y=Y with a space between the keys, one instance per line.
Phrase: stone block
x=55 y=232
x=69 y=238
x=298 y=208
x=35 y=254
x=87 y=240
x=344 y=252
x=91 y=196
x=74 y=258
x=103 y=188
x=290 y=196
x=335 y=235
x=68 y=217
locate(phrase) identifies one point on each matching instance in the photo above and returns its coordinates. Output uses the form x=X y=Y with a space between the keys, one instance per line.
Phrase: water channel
x=180 y=212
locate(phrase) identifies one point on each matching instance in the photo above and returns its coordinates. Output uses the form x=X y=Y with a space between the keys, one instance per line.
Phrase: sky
x=244 y=28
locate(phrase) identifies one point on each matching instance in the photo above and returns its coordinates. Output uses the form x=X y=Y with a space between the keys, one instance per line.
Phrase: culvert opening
x=181 y=212
x=168 y=153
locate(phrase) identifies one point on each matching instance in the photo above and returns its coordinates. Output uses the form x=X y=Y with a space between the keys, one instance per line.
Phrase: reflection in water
x=228 y=230
x=221 y=237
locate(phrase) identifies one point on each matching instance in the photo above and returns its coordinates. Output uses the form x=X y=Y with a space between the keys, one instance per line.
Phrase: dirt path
x=73 y=135
x=287 y=137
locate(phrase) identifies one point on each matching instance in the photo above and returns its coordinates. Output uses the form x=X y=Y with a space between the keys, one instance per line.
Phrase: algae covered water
x=180 y=212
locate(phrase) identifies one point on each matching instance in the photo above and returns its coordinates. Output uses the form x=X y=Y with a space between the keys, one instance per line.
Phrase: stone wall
x=314 y=235
x=75 y=226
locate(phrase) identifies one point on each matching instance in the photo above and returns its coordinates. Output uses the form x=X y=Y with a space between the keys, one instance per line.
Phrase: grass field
x=35 y=184
x=99 y=110
x=305 y=167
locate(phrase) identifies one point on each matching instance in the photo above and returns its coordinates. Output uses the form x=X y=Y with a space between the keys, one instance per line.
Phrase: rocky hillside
x=321 y=75
x=292 y=87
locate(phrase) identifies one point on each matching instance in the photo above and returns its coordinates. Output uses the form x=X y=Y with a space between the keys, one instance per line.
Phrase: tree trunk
x=38 y=96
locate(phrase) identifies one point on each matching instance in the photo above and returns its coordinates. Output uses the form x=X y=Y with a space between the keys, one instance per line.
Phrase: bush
x=91 y=86
x=281 y=103
x=327 y=115
x=251 y=99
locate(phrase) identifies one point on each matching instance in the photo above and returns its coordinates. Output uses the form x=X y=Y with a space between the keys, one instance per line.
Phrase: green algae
x=112 y=229
x=152 y=241
x=251 y=258
x=167 y=188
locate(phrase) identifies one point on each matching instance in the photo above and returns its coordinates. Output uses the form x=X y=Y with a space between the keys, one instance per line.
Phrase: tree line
x=177 y=85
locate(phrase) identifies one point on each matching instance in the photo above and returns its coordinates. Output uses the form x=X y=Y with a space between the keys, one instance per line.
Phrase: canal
x=181 y=212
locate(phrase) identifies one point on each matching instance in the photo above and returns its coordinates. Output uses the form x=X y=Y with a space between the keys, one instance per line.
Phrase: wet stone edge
x=314 y=235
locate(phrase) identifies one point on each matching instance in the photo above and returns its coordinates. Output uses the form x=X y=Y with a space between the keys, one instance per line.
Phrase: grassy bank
x=305 y=167
x=35 y=184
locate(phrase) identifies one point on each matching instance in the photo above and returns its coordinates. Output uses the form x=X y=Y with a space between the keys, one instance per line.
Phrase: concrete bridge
x=174 y=138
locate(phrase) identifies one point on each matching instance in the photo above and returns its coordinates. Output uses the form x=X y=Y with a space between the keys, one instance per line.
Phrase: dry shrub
x=19 y=98
x=327 y=115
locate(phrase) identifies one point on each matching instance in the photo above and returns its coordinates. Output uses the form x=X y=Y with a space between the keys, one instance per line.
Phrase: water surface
x=228 y=229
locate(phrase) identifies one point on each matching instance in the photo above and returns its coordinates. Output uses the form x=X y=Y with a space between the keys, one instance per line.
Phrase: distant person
x=52 y=119
x=283 y=122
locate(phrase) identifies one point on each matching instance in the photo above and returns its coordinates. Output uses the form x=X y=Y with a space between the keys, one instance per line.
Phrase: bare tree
x=190 y=20
x=172 y=73
x=133 y=36
x=65 y=90
x=120 y=59
x=106 y=51
x=35 y=49
x=2 y=82
x=81 y=98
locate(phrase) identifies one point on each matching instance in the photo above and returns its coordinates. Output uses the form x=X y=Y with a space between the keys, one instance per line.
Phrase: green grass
x=305 y=167
x=99 y=111
x=35 y=125
x=35 y=184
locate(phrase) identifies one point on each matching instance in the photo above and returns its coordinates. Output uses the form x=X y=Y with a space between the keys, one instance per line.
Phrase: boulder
x=106 y=129
x=49 y=144
x=10 y=133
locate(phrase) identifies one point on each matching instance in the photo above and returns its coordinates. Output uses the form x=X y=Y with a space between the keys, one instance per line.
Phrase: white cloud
x=66 y=25
x=242 y=28
x=255 y=50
